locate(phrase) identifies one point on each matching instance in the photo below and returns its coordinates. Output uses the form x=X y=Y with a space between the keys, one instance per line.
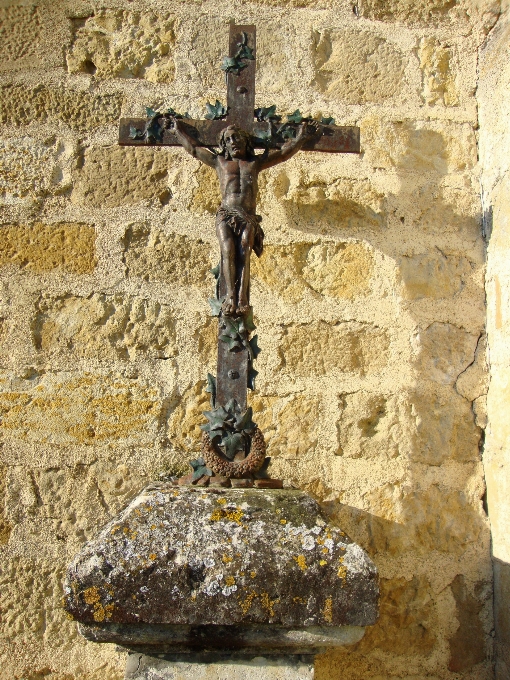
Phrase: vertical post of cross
x=233 y=365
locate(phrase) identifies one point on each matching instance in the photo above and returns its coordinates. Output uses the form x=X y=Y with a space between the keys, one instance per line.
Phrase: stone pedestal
x=142 y=667
x=257 y=576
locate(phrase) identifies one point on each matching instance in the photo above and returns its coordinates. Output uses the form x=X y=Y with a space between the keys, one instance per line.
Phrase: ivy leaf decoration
x=150 y=112
x=248 y=321
x=266 y=113
x=245 y=52
x=215 y=271
x=288 y=133
x=215 y=305
x=327 y=121
x=252 y=374
x=232 y=343
x=295 y=117
x=255 y=349
x=215 y=111
x=200 y=469
x=211 y=388
x=244 y=422
x=233 y=443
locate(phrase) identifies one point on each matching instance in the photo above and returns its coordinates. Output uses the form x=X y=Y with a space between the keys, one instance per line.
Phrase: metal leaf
x=150 y=112
x=215 y=305
x=215 y=271
x=295 y=117
x=198 y=462
x=211 y=388
x=245 y=53
x=232 y=343
x=232 y=444
x=252 y=374
x=135 y=133
x=255 y=349
x=244 y=422
x=248 y=321
x=327 y=121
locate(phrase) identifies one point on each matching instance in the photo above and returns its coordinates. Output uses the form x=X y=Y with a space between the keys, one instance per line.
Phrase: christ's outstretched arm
x=191 y=145
x=306 y=131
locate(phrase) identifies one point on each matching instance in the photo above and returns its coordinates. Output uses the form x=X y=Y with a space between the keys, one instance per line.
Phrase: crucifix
x=233 y=448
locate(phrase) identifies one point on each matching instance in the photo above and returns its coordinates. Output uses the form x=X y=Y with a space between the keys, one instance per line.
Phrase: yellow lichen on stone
x=327 y=612
x=42 y=248
x=91 y=595
x=219 y=514
x=300 y=559
x=356 y=66
x=268 y=604
x=125 y=44
x=230 y=581
x=247 y=602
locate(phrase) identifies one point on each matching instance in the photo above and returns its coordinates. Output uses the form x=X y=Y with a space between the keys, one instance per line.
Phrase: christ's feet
x=228 y=308
x=243 y=309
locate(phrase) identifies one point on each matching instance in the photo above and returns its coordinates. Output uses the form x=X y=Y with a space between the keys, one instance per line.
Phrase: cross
x=235 y=354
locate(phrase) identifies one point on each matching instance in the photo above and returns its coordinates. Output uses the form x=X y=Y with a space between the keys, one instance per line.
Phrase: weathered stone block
x=20 y=33
x=444 y=427
x=30 y=169
x=158 y=256
x=125 y=44
x=61 y=409
x=22 y=104
x=425 y=147
x=41 y=248
x=5 y=526
x=104 y=327
x=184 y=424
x=467 y=645
x=368 y=424
x=194 y=557
x=445 y=352
x=116 y=176
x=434 y=275
x=473 y=383
x=438 y=83
x=341 y=270
x=297 y=427
x=356 y=67
x=206 y=197
x=319 y=348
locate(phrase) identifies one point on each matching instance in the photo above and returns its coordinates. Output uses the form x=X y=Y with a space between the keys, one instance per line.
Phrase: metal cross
x=233 y=366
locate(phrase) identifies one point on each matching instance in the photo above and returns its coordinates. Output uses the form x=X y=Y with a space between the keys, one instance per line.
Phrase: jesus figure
x=237 y=226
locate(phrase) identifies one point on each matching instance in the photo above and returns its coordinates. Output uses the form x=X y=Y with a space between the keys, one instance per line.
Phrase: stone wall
x=369 y=302
x=494 y=154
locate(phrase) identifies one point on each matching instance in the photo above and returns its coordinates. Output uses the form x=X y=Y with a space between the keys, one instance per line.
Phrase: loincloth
x=237 y=219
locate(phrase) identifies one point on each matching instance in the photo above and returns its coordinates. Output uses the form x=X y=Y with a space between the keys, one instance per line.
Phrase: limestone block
x=473 y=383
x=30 y=169
x=467 y=645
x=425 y=147
x=320 y=348
x=209 y=43
x=22 y=104
x=433 y=275
x=340 y=270
x=104 y=327
x=356 y=67
x=154 y=255
x=187 y=416
x=206 y=197
x=194 y=557
x=433 y=519
x=5 y=526
x=445 y=351
x=407 y=622
x=116 y=176
x=438 y=79
x=20 y=33
x=368 y=424
x=42 y=248
x=310 y=197
x=433 y=12
x=59 y=408
x=444 y=427
x=297 y=427
x=124 y=44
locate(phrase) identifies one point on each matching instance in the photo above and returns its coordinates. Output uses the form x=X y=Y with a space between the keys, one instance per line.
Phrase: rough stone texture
x=158 y=256
x=123 y=44
x=369 y=302
x=356 y=67
x=23 y=104
x=118 y=176
x=494 y=150
x=228 y=557
x=41 y=248
x=104 y=327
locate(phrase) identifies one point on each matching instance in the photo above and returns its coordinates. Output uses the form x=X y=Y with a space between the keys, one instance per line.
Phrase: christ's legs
x=247 y=238
x=228 y=265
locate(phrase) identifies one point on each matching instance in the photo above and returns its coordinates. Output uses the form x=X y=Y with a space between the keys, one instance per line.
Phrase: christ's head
x=235 y=143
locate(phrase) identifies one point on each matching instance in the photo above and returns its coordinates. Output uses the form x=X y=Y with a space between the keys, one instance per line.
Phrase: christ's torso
x=238 y=183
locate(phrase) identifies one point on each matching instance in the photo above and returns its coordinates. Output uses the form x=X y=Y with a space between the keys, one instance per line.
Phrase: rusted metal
x=241 y=87
x=334 y=138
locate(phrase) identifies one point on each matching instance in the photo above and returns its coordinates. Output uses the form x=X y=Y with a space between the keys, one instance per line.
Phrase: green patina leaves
x=230 y=426
x=215 y=305
x=211 y=388
x=215 y=111
x=267 y=113
x=236 y=63
x=200 y=469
